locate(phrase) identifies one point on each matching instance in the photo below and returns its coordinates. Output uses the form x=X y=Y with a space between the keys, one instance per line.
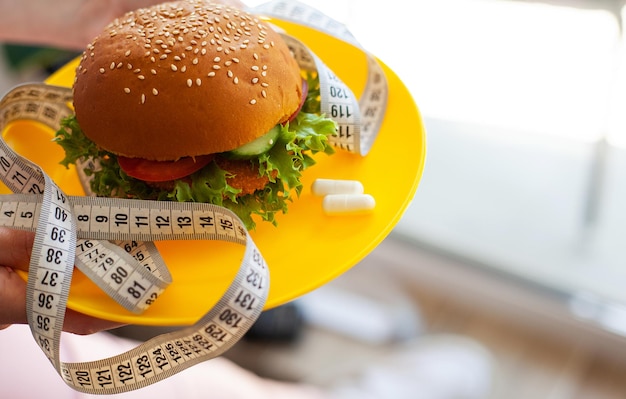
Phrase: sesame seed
x=195 y=61
x=199 y=81
x=263 y=93
x=255 y=80
x=211 y=74
x=189 y=82
x=254 y=68
x=216 y=67
x=155 y=91
x=174 y=67
x=126 y=90
x=236 y=80
x=141 y=77
x=143 y=98
x=101 y=70
x=112 y=66
x=127 y=53
x=216 y=59
x=153 y=71
x=253 y=101
x=184 y=68
x=230 y=74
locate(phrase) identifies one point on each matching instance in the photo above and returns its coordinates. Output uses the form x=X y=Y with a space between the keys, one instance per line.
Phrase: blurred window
x=524 y=103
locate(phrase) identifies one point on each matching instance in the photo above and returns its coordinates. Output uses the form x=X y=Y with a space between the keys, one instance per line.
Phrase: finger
x=15 y=248
x=12 y=298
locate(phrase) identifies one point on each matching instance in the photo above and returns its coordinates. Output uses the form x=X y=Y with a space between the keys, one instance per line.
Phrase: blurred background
x=516 y=236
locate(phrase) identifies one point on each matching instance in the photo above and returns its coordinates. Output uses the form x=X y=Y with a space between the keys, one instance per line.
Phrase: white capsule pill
x=330 y=186
x=348 y=203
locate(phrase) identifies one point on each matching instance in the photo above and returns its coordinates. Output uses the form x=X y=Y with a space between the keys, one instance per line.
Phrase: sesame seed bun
x=184 y=78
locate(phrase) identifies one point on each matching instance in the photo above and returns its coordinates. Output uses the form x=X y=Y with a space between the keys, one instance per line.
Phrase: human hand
x=15 y=250
x=69 y=24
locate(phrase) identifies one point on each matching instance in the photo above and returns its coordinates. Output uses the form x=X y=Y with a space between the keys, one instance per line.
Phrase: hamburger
x=195 y=101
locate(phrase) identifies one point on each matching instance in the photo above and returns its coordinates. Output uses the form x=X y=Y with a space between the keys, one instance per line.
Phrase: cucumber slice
x=256 y=147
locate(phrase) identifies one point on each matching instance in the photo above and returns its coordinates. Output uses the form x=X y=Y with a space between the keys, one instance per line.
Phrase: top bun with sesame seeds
x=184 y=78
x=195 y=101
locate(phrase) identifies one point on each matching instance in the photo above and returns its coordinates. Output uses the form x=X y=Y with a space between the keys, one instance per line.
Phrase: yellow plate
x=308 y=248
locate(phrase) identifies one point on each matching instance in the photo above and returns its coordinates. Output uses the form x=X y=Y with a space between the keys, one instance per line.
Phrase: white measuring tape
x=111 y=240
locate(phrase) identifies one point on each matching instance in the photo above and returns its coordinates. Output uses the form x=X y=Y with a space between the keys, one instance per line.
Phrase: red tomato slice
x=158 y=171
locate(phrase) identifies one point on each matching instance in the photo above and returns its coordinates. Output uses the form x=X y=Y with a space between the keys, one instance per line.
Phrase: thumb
x=12 y=298
x=15 y=248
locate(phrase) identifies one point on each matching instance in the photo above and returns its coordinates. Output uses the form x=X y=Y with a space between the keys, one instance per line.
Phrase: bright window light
x=617 y=124
x=524 y=66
